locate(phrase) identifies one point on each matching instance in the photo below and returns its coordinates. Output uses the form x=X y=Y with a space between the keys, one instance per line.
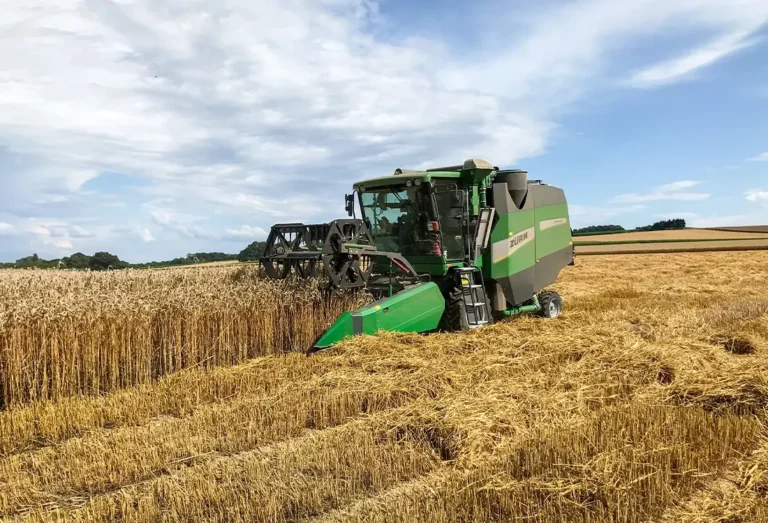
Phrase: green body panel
x=341 y=328
x=432 y=265
x=475 y=201
x=415 y=309
x=512 y=246
x=553 y=229
x=532 y=235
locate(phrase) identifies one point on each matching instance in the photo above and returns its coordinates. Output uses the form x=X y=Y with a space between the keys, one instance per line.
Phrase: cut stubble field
x=645 y=401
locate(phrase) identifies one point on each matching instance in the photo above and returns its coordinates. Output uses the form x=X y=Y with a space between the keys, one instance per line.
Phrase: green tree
x=101 y=261
x=77 y=261
x=253 y=252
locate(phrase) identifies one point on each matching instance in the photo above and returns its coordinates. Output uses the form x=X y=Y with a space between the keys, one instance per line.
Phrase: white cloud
x=76 y=231
x=683 y=66
x=128 y=87
x=671 y=191
x=267 y=110
x=730 y=220
x=180 y=223
x=245 y=232
x=185 y=225
x=146 y=235
x=539 y=65
x=672 y=215
x=760 y=158
x=6 y=229
x=163 y=218
x=757 y=196
x=677 y=186
x=53 y=234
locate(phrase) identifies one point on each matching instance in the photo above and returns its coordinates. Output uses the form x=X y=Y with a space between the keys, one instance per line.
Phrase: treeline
x=597 y=229
x=103 y=261
x=663 y=225
x=189 y=259
x=253 y=252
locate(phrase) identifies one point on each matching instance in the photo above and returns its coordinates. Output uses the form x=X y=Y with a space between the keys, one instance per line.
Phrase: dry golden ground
x=683 y=234
x=646 y=401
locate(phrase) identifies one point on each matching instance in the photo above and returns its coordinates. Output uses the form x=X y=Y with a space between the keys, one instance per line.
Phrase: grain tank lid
x=478 y=163
x=471 y=164
x=475 y=170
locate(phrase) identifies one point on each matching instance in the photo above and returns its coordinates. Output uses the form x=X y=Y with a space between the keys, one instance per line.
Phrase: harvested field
x=671 y=246
x=646 y=401
x=682 y=234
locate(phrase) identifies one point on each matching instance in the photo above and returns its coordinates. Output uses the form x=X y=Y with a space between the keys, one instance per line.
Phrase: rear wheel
x=551 y=304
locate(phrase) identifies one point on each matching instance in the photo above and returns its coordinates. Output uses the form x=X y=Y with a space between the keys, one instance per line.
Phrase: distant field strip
x=679 y=235
x=672 y=246
x=743 y=228
x=578 y=242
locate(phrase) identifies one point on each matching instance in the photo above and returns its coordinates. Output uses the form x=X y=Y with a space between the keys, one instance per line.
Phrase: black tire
x=455 y=315
x=551 y=304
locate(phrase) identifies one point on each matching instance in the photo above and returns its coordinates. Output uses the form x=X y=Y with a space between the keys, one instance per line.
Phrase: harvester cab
x=450 y=248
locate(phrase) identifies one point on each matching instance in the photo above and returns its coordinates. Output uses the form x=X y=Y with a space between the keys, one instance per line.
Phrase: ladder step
x=478 y=312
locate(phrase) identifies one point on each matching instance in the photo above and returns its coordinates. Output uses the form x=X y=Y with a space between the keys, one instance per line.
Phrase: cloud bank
x=247 y=113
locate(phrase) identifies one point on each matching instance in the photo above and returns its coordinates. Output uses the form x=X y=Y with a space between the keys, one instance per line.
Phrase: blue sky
x=153 y=128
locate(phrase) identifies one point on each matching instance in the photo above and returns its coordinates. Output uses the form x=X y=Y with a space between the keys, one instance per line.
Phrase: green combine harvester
x=450 y=249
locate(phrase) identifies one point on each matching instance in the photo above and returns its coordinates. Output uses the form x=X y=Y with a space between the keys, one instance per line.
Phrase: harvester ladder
x=473 y=294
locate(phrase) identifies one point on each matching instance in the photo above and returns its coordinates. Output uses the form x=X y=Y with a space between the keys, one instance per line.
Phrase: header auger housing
x=450 y=248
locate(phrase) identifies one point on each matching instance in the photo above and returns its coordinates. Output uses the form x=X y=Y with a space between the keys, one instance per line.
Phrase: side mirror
x=457 y=199
x=349 y=204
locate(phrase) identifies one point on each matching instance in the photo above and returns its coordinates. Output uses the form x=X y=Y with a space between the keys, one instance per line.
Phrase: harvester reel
x=347 y=270
x=276 y=269
x=306 y=267
x=294 y=247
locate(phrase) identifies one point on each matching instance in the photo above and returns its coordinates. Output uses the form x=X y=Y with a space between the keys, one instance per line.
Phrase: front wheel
x=455 y=316
x=551 y=304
